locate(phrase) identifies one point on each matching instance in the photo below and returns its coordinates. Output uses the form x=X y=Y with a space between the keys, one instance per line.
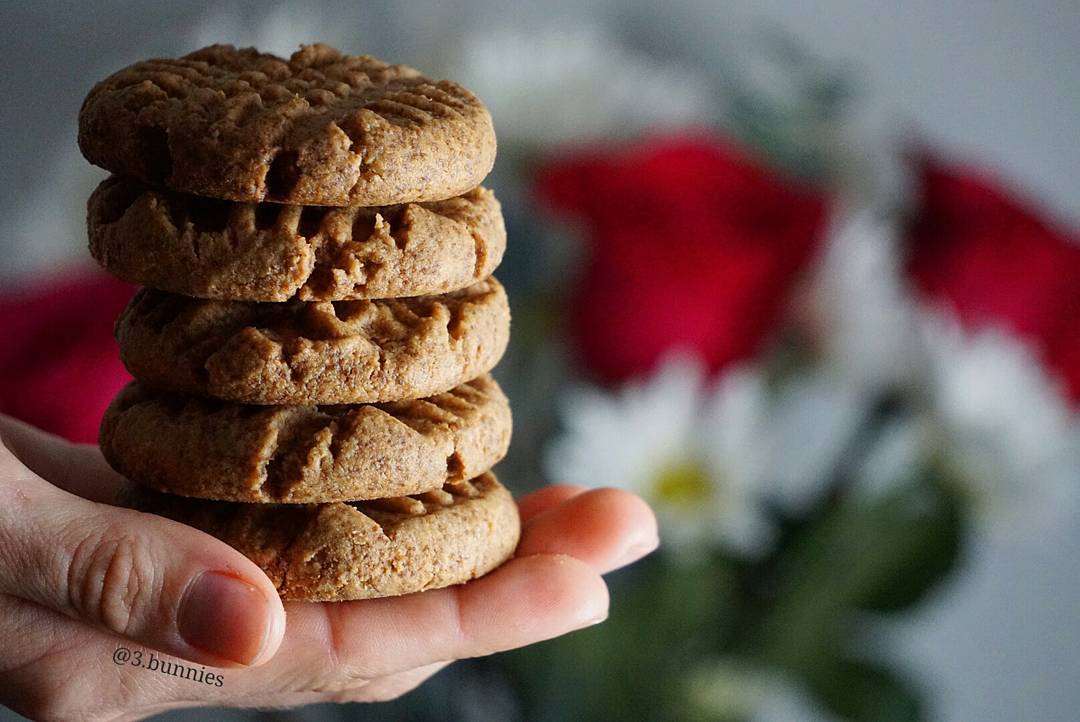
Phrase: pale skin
x=79 y=578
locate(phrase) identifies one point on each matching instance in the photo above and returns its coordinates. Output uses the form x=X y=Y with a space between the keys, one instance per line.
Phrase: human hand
x=80 y=579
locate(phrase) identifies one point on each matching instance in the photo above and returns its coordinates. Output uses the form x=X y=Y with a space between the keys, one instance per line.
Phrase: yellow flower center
x=684 y=483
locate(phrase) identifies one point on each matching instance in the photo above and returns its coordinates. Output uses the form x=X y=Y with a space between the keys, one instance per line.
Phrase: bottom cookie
x=359 y=550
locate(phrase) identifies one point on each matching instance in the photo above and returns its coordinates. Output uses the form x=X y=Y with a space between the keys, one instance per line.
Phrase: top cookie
x=320 y=128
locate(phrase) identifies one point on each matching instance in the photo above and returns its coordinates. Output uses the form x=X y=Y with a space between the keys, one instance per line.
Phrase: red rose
x=994 y=262
x=58 y=363
x=692 y=245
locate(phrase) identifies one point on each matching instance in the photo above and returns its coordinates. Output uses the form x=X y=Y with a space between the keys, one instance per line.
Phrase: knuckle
x=349 y=657
x=457 y=617
x=112 y=579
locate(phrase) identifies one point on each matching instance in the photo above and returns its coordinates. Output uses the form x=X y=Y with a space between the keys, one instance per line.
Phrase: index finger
x=76 y=468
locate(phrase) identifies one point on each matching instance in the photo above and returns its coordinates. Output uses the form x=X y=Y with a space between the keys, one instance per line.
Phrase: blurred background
x=804 y=275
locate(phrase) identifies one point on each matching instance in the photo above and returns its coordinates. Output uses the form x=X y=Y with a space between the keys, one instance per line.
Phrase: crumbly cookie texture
x=211 y=449
x=339 y=352
x=340 y=551
x=320 y=128
x=215 y=249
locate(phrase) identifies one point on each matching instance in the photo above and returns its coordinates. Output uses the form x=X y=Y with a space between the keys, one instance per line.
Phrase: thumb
x=143 y=577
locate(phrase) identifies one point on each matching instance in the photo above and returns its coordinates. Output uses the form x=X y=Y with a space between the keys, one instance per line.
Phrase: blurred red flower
x=981 y=252
x=692 y=245
x=58 y=363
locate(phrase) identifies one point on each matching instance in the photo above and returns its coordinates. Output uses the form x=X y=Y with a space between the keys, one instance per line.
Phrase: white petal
x=733 y=427
x=814 y=421
x=864 y=302
x=901 y=445
x=1007 y=423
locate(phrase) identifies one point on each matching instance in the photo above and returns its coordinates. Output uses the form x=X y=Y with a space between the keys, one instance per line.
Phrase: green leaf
x=880 y=554
x=920 y=531
x=664 y=619
x=884 y=553
x=861 y=690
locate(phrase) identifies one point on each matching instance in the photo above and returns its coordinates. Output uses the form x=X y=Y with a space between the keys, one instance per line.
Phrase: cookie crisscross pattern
x=320 y=128
x=304 y=454
x=215 y=249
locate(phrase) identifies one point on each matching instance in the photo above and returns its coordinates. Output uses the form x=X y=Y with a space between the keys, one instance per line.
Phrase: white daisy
x=1006 y=425
x=708 y=457
x=695 y=456
x=983 y=400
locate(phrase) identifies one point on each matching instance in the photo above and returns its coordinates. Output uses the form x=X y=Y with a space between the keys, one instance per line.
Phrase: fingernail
x=591 y=617
x=638 y=549
x=593 y=612
x=227 y=617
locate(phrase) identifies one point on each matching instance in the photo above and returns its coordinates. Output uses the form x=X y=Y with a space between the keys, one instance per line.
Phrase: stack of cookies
x=312 y=346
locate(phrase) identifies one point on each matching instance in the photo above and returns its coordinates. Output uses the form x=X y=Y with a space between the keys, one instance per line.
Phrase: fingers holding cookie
x=546 y=498
x=311 y=354
x=551 y=587
x=76 y=468
x=377 y=649
x=605 y=528
x=527 y=600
